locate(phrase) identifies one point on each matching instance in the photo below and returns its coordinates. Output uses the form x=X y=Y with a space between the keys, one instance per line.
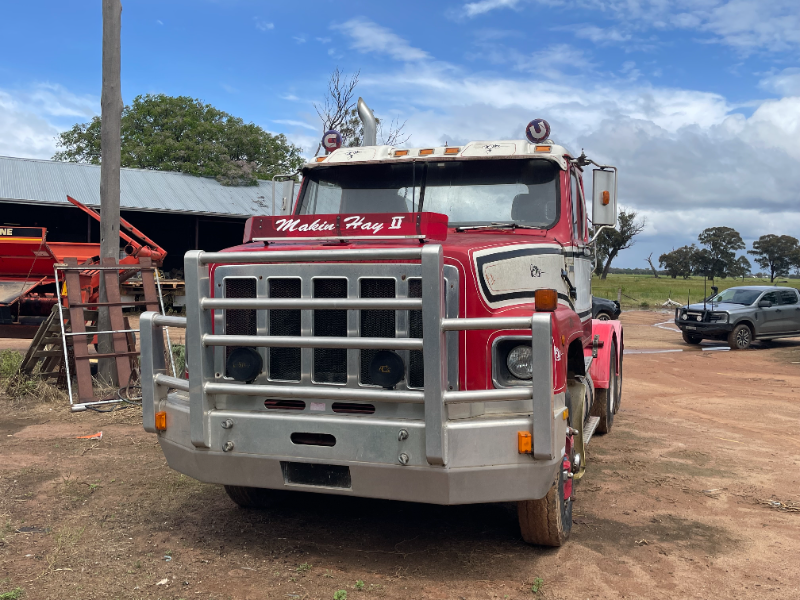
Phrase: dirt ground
x=690 y=496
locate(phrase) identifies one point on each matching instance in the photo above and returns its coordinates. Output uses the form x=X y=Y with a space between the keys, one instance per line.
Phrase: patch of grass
x=66 y=539
x=304 y=568
x=10 y=361
x=340 y=595
x=359 y=585
x=538 y=582
x=14 y=594
x=645 y=288
x=179 y=356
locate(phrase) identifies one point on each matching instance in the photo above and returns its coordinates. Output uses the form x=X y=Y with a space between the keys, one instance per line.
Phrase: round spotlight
x=387 y=368
x=244 y=364
x=519 y=362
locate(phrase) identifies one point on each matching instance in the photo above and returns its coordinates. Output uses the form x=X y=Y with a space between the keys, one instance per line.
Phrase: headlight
x=720 y=317
x=519 y=362
x=684 y=316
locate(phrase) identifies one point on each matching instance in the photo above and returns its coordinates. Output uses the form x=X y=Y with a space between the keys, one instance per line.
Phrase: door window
x=788 y=297
x=772 y=297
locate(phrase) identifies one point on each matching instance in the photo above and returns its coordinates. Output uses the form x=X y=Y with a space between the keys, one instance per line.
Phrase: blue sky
x=697 y=102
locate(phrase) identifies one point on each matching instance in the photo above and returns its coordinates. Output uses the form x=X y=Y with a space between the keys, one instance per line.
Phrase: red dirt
x=675 y=504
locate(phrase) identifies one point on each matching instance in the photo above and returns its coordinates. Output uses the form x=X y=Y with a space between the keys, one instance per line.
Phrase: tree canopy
x=611 y=241
x=777 y=254
x=678 y=263
x=166 y=133
x=718 y=258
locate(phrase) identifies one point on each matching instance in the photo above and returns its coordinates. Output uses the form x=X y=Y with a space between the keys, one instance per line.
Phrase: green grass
x=10 y=361
x=637 y=289
x=14 y=594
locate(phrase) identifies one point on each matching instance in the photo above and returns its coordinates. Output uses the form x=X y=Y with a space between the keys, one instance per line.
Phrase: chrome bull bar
x=202 y=385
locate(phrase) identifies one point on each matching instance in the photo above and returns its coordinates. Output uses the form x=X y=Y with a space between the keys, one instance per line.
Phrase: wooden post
x=110 y=153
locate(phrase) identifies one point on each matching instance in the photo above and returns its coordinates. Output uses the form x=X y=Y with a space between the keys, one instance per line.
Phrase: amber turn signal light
x=606 y=198
x=545 y=299
x=161 y=421
x=524 y=442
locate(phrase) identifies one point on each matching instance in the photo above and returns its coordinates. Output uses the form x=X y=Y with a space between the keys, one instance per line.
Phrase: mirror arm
x=583 y=160
x=597 y=233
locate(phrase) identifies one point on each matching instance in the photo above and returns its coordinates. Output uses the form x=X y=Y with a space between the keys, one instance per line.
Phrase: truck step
x=589 y=427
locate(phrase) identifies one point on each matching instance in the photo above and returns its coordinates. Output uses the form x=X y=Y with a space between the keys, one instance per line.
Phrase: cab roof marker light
x=321 y=158
x=542 y=149
x=426 y=152
x=401 y=152
x=451 y=150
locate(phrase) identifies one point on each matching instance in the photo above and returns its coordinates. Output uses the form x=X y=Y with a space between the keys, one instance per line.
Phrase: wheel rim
x=743 y=338
x=603 y=317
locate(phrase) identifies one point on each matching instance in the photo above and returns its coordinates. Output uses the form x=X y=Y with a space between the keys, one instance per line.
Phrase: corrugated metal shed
x=31 y=181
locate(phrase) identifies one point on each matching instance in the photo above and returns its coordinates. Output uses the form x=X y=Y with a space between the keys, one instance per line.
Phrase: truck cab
x=419 y=328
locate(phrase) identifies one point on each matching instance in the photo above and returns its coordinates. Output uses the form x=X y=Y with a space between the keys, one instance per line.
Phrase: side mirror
x=764 y=304
x=604 y=197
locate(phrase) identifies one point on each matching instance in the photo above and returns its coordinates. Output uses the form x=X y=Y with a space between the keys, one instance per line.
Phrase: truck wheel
x=603 y=316
x=740 y=338
x=618 y=399
x=691 y=338
x=605 y=400
x=547 y=521
x=250 y=497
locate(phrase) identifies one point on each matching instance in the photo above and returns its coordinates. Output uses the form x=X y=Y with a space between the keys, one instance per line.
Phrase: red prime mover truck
x=418 y=329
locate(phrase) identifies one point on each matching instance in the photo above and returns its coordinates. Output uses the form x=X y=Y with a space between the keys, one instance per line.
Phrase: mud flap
x=577 y=399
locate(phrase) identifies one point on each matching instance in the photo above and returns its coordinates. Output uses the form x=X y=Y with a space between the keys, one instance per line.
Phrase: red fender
x=608 y=332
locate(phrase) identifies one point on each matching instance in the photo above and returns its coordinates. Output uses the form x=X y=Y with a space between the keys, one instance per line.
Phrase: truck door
x=581 y=275
x=771 y=315
x=788 y=311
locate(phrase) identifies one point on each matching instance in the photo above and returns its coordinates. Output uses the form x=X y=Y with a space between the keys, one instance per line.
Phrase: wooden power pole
x=110 y=156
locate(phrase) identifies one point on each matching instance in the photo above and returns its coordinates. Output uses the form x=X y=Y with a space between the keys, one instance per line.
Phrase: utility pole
x=110 y=157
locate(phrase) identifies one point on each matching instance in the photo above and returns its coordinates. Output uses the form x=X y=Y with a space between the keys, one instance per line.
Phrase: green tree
x=718 y=258
x=611 y=241
x=678 y=263
x=166 y=133
x=777 y=254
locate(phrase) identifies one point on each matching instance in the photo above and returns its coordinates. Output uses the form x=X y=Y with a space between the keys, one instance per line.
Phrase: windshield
x=737 y=296
x=522 y=191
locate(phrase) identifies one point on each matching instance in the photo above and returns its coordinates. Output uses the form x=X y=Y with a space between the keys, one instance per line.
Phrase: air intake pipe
x=368 y=123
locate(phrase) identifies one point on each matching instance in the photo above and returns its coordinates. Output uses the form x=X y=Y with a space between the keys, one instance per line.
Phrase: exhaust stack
x=368 y=123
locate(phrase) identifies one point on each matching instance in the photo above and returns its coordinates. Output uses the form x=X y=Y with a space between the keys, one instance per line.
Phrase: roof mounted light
x=426 y=152
x=451 y=150
x=401 y=152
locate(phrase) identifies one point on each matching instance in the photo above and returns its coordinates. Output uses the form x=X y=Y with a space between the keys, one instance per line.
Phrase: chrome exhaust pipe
x=368 y=123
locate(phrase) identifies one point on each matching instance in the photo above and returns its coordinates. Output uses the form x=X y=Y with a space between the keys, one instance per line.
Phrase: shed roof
x=32 y=181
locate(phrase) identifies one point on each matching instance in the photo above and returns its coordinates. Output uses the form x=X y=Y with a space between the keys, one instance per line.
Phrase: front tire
x=740 y=338
x=605 y=400
x=253 y=498
x=547 y=521
x=603 y=316
x=691 y=338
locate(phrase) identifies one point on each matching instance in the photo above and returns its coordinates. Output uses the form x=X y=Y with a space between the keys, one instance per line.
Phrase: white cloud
x=299 y=39
x=302 y=124
x=159 y=21
x=473 y=9
x=688 y=159
x=31 y=118
x=368 y=37
x=785 y=83
x=263 y=25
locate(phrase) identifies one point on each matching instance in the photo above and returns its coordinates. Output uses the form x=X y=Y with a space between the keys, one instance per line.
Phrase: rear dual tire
x=606 y=401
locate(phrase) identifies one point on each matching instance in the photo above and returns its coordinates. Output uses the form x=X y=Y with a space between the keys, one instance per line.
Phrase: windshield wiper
x=496 y=226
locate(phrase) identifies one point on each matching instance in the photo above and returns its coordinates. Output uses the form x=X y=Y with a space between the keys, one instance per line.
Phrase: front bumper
x=704 y=329
x=484 y=466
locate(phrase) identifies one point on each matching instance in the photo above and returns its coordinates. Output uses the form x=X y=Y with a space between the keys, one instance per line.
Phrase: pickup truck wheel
x=605 y=400
x=250 y=497
x=547 y=521
x=603 y=316
x=691 y=338
x=740 y=338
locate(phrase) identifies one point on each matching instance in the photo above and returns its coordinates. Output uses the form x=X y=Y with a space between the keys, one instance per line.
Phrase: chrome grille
x=239 y=322
x=284 y=363
x=416 y=371
x=330 y=364
x=376 y=323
